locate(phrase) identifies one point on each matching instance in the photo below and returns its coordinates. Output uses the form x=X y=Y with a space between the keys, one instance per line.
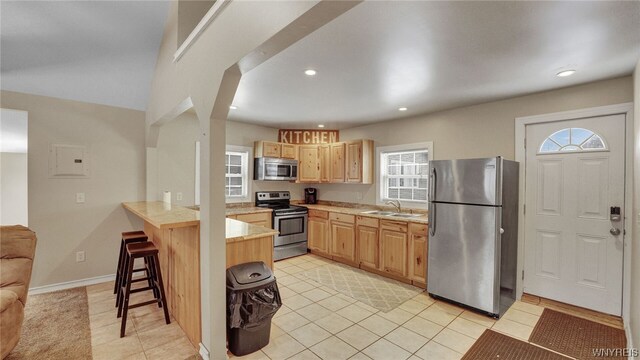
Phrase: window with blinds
x=237 y=173
x=404 y=175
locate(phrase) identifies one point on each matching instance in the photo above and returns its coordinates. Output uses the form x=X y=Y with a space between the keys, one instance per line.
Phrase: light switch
x=79 y=198
x=179 y=196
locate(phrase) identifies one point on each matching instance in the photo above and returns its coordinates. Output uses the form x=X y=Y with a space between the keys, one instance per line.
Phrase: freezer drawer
x=464 y=255
x=469 y=181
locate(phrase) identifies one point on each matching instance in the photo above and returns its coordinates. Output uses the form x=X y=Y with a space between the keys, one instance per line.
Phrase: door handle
x=615 y=231
x=432 y=188
x=432 y=217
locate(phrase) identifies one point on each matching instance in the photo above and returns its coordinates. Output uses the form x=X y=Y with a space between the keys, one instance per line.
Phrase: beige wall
x=475 y=131
x=13 y=189
x=115 y=138
x=176 y=157
x=635 y=245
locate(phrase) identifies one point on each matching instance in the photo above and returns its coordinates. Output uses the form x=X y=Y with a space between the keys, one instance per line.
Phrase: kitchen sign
x=301 y=137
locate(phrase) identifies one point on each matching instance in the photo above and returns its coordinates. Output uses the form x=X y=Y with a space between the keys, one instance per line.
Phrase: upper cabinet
x=275 y=150
x=350 y=162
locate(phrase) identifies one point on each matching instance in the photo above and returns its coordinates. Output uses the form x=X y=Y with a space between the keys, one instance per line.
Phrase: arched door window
x=573 y=140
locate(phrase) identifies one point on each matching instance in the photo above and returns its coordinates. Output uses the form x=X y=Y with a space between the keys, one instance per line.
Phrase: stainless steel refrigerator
x=473 y=229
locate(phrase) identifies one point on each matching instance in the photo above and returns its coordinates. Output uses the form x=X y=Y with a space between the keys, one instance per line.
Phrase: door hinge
x=524 y=209
x=522 y=274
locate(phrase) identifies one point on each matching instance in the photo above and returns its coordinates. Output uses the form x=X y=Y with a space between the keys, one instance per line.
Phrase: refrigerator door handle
x=432 y=219
x=432 y=190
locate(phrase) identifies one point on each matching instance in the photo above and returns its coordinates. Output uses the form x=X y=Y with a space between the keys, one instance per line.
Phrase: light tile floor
x=315 y=322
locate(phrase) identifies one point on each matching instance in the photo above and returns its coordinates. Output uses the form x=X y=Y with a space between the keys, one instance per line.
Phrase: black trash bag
x=252 y=307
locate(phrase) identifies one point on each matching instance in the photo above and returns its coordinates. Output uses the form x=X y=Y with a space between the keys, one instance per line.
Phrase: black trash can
x=252 y=300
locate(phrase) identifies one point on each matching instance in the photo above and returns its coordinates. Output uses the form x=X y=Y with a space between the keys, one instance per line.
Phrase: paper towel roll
x=167 y=197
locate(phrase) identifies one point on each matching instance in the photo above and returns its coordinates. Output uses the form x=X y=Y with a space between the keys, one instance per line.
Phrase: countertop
x=163 y=215
x=359 y=212
x=246 y=210
x=240 y=231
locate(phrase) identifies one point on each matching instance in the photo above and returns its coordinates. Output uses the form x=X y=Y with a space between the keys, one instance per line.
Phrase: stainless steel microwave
x=275 y=169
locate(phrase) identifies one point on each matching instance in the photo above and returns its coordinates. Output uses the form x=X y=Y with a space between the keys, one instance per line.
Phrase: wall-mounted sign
x=295 y=136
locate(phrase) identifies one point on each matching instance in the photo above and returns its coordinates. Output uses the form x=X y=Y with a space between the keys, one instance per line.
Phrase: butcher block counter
x=175 y=230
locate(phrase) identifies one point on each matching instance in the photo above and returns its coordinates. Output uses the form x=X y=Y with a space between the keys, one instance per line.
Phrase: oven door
x=292 y=228
x=276 y=171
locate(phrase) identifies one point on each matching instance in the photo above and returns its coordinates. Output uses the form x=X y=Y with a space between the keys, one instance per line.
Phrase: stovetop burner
x=278 y=201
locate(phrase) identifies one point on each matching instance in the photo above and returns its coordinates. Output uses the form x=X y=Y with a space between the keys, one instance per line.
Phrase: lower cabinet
x=394 y=247
x=343 y=236
x=367 y=242
x=318 y=233
x=418 y=246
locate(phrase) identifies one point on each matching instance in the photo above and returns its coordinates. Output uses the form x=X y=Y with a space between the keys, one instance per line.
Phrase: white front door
x=574 y=176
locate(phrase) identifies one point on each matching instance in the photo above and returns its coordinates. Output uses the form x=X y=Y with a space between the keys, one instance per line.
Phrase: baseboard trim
x=71 y=284
x=627 y=332
x=204 y=352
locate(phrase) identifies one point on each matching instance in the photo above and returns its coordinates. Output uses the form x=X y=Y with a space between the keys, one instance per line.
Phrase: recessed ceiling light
x=402 y=108
x=310 y=72
x=565 y=73
x=233 y=107
x=320 y=126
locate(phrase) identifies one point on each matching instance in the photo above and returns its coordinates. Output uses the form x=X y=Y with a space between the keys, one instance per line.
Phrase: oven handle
x=290 y=215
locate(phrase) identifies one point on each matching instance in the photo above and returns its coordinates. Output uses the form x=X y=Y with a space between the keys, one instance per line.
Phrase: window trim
x=247 y=177
x=380 y=200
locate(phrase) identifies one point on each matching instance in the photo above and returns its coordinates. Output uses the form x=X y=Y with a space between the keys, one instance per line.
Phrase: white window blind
x=404 y=175
x=237 y=174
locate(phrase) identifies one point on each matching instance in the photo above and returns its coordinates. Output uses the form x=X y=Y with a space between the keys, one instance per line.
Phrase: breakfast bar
x=175 y=231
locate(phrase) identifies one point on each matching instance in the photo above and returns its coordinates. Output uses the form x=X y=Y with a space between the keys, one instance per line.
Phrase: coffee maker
x=310 y=195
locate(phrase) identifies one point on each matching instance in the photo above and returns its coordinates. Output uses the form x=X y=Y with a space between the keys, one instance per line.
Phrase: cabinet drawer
x=351 y=219
x=318 y=214
x=367 y=221
x=418 y=229
x=394 y=225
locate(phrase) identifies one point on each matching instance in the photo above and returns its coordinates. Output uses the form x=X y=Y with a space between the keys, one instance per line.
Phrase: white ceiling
x=430 y=56
x=93 y=51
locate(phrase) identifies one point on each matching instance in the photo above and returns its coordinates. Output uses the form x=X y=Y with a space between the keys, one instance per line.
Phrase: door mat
x=377 y=291
x=578 y=337
x=493 y=345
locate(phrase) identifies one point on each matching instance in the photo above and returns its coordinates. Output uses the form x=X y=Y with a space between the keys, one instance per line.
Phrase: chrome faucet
x=396 y=204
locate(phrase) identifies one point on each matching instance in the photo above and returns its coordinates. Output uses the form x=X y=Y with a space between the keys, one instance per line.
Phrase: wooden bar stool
x=149 y=252
x=128 y=237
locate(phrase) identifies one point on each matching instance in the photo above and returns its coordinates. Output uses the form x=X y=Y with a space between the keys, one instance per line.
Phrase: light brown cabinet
x=394 y=244
x=318 y=235
x=288 y=151
x=309 y=167
x=343 y=236
x=337 y=164
x=367 y=242
x=267 y=149
x=359 y=161
x=325 y=163
x=418 y=250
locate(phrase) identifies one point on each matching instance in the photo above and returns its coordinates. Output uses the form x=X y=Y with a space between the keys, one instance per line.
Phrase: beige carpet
x=382 y=293
x=56 y=326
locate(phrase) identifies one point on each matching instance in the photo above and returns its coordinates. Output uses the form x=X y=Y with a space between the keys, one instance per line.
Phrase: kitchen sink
x=405 y=215
x=391 y=214
x=379 y=212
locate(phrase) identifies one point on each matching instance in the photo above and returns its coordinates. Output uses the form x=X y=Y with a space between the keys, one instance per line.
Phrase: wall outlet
x=179 y=196
x=79 y=198
x=80 y=256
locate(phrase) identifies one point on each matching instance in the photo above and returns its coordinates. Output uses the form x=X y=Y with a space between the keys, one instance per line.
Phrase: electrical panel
x=68 y=161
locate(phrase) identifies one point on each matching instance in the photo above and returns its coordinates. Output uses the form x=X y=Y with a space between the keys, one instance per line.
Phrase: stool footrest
x=141 y=269
x=140 y=279
x=144 y=303
x=140 y=289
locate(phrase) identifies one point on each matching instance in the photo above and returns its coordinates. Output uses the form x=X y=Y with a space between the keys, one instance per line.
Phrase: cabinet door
x=325 y=163
x=343 y=239
x=418 y=257
x=271 y=149
x=354 y=161
x=319 y=234
x=309 y=167
x=288 y=151
x=367 y=243
x=337 y=162
x=394 y=252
